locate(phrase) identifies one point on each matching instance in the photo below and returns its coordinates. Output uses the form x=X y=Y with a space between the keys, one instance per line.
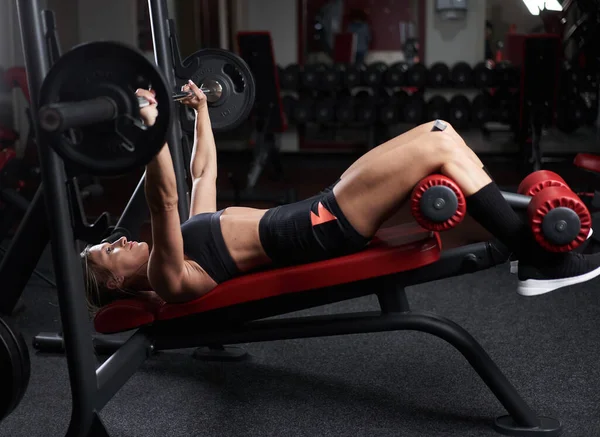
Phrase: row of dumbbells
x=559 y=219
x=386 y=107
x=401 y=74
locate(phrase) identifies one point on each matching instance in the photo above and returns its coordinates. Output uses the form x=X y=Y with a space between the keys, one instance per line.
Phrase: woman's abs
x=239 y=226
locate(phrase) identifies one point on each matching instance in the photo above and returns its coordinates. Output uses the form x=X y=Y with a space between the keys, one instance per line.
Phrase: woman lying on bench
x=189 y=260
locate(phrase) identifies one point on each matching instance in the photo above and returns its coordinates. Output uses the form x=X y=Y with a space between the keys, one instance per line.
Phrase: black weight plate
x=330 y=79
x=113 y=147
x=373 y=74
x=15 y=369
x=439 y=75
x=235 y=77
x=417 y=75
x=460 y=112
x=395 y=75
x=481 y=109
x=353 y=75
x=484 y=75
x=461 y=75
x=414 y=109
x=289 y=77
x=437 y=108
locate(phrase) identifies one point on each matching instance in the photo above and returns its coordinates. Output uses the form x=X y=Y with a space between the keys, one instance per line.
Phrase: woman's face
x=122 y=258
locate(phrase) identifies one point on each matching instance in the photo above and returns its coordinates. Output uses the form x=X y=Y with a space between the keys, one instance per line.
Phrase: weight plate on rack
x=15 y=368
x=233 y=84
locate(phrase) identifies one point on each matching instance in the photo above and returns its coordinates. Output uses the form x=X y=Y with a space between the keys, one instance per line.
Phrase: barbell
x=90 y=115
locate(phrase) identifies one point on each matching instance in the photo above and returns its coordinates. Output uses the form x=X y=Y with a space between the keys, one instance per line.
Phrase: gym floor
x=388 y=384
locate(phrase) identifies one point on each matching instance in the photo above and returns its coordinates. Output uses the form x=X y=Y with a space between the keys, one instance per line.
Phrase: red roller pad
x=546 y=201
x=587 y=161
x=395 y=249
x=420 y=190
x=539 y=180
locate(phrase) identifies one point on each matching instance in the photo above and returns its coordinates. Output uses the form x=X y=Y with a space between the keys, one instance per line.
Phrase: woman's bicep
x=166 y=263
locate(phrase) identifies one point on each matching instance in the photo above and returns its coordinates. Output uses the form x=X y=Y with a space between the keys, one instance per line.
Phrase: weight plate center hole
x=236 y=77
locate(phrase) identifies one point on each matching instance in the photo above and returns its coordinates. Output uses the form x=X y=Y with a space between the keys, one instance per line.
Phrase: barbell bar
x=58 y=117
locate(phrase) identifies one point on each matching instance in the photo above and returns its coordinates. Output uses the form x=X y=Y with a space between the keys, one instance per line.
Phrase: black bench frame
x=93 y=387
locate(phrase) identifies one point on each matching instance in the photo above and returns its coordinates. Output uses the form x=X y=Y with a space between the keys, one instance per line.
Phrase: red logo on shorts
x=322 y=216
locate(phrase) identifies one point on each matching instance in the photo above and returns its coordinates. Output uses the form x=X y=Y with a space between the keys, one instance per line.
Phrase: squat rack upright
x=91 y=388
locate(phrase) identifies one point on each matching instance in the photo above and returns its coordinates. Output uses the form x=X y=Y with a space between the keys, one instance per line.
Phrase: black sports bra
x=203 y=242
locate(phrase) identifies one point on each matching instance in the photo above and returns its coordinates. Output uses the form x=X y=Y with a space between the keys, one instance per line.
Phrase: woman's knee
x=442 y=145
x=427 y=127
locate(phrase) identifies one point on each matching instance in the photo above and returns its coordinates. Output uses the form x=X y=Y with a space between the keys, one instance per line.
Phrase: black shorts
x=311 y=230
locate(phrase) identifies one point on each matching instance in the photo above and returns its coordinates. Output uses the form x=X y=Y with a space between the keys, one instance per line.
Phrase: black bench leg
x=522 y=421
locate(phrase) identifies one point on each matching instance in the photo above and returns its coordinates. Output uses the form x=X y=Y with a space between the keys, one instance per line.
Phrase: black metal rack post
x=81 y=359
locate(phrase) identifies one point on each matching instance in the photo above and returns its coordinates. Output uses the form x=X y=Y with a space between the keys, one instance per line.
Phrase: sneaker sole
x=514 y=265
x=535 y=287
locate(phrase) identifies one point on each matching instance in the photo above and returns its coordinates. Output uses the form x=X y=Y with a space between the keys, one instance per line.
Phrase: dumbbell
x=324 y=111
x=303 y=111
x=481 y=109
x=461 y=75
x=439 y=75
x=311 y=76
x=484 y=75
x=395 y=75
x=365 y=108
x=388 y=110
x=344 y=108
x=414 y=110
x=437 y=203
x=437 y=108
x=507 y=75
x=288 y=78
x=459 y=114
x=559 y=219
x=416 y=75
x=330 y=78
x=571 y=113
x=351 y=75
x=372 y=76
x=401 y=99
x=506 y=106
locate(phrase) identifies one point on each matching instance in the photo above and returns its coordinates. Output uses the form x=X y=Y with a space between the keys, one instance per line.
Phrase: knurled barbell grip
x=58 y=117
x=143 y=102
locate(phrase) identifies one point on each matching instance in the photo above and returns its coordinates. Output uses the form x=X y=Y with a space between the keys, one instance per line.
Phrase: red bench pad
x=393 y=250
x=588 y=161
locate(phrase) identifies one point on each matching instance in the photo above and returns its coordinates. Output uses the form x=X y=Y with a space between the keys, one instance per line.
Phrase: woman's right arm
x=203 y=165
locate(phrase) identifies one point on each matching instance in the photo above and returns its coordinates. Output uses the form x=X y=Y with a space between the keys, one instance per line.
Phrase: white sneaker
x=514 y=265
